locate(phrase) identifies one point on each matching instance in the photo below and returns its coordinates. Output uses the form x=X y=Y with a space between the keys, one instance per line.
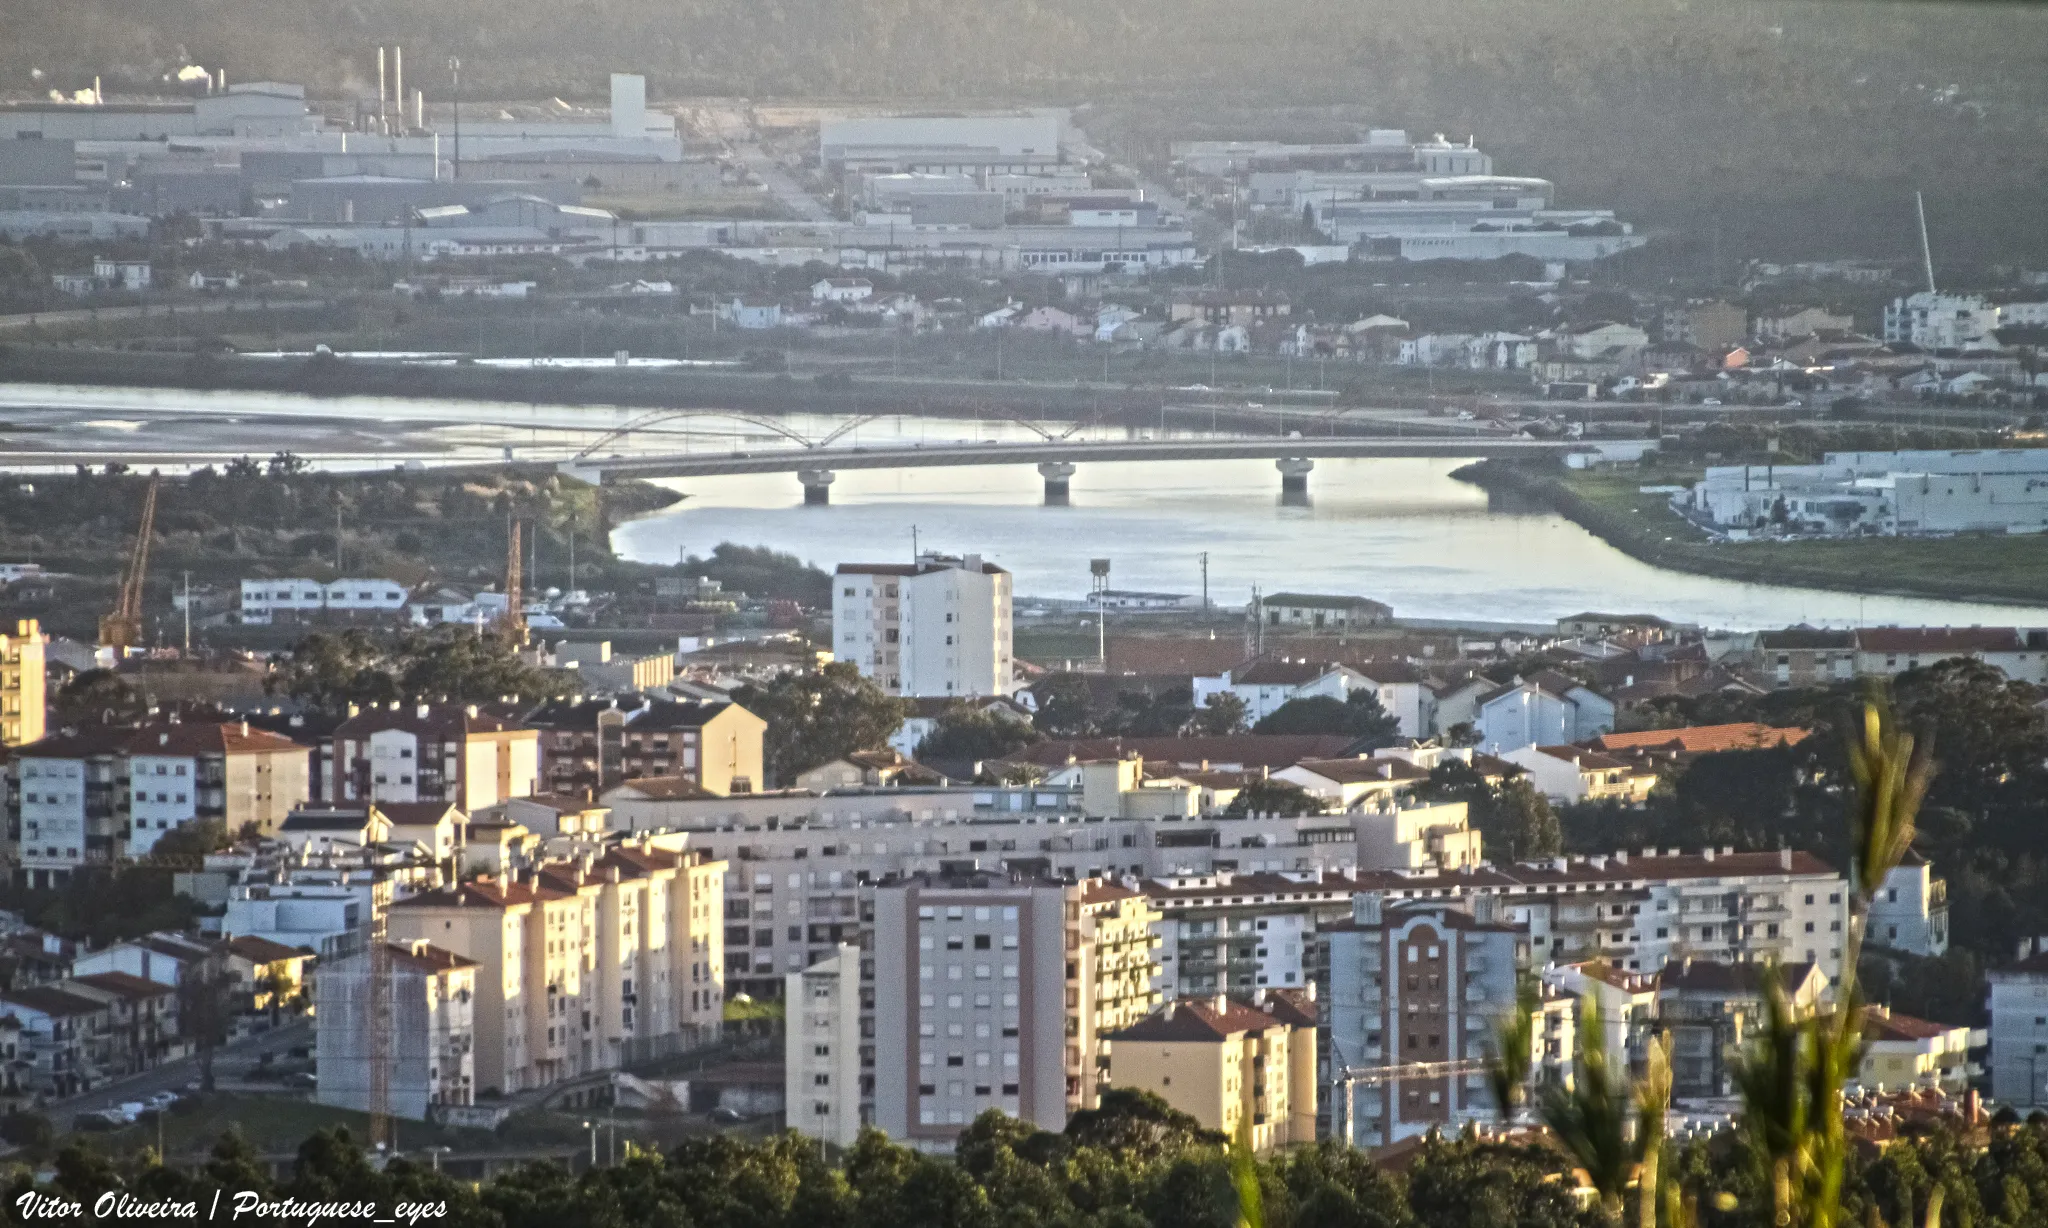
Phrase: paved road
x=234 y=1059
x=780 y=185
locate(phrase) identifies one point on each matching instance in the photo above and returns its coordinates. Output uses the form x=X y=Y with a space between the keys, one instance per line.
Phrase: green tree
x=820 y=715
x=1360 y=715
x=1223 y=714
x=967 y=732
x=1063 y=706
x=96 y=697
x=1269 y=796
x=1138 y=1126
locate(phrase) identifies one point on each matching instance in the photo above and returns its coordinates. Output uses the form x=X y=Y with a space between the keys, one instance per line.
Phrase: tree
x=1063 y=706
x=1517 y=821
x=1223 y=714
x=205 y=1012
x=968 y=732
x=762 y=572
x=820 y=715
x=1359 y=715
x=94 y=697
x=1270 y=796
x=1137 y=1126
x=193 y=840
x=451 y=664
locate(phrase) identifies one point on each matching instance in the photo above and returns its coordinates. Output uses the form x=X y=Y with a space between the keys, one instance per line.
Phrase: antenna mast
x=1926 y=252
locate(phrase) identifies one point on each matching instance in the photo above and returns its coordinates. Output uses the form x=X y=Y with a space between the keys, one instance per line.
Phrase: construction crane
x=515 y=585
x=122 y=627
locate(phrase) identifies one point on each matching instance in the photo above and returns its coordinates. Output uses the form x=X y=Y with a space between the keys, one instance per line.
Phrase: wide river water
x=1401 y=531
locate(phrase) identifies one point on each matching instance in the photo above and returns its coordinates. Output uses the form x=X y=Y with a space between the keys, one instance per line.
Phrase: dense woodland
x=1769 y=128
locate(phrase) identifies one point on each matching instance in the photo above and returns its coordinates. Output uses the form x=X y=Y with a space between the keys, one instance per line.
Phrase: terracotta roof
x=1293 y=1007
x=1705 y=739
x=1637 y=868
x=83 y=744
x=1363 y=771
x=481 y=892
x=425 y=957
x=1183 y=657
x=1269 y=671
x=208 y=738
x=263 y=951
x=45 y=1000
x=1252 y=750
x=416 y=814
x=1196 y=1020
x=1588 y=760
x=1712 y=976
x=443 y=720
x=657 y=714
x=1880 y=1024
x=1806 y=638
x=1257 y=883
x=666 y=788
x=125 y=984
x=1101 y=891
x=1939 y=641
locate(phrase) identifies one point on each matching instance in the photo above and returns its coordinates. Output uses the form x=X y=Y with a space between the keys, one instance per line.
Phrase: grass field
x=1611 y=504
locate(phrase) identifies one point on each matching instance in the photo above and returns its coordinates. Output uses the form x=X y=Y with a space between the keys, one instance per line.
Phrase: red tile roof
x=1939 y=641
x=1197 y=1021
x=1705 y=739
x=1879 y=1024
x=1253 y=750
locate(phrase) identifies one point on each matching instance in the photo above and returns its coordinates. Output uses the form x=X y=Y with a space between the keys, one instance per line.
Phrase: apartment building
x=1640 y=911
x=1909 y=914
x=588 y=964
x=65 y=803
x=589 y=746
x=22 y=704
x=1231 y=933
x=940 y=626
x=427 y=1013
x=1247 y=1069
x=1708 y=1007
x=1421 y=984
x=1806 y=656
x=427 y=753
x=2019 y=1028
x=996 y=991
x=821 y=1052
x=801 y=864
x=226 y=773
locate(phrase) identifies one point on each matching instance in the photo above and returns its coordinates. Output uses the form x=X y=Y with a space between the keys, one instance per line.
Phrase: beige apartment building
x=584 y=964
x=21 y=684
x=996 y=991
x=1236 y=1067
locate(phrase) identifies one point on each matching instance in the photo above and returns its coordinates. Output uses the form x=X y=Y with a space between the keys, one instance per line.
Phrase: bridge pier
x=1056 y=475
x=1294 y=471
x=817 y=486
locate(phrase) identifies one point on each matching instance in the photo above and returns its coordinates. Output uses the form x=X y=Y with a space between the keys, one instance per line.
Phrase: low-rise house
x=841 y=290
x=750 y=313
x=61 y=1041
x=1901 y=1052
x=163 y=957
x=1267 y=684
x=270 y=974
x=867 y=769
x=1246 y=1069
x=1320 y=612
x=1548 y=708
x=1886 y=652
x=1572 y=774
x=1909 y=914
x=1806 y=656
x=1348 y=784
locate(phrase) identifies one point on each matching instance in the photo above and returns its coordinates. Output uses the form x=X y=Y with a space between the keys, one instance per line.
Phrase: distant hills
x=1783 y=128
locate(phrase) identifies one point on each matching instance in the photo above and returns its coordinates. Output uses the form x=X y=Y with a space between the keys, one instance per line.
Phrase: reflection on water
x=1401 y=531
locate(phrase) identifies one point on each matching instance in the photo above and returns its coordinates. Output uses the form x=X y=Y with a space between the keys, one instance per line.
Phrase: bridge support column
x=1056 y=475
x=1294 y=471
x=817 y=486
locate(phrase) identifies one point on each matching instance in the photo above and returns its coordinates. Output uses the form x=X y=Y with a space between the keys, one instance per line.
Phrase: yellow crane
x=122 y=627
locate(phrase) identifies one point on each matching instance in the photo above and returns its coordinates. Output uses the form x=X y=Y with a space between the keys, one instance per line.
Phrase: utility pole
x=455 y=72
x=188 y=653
x=337 y=541
x=1205 y=582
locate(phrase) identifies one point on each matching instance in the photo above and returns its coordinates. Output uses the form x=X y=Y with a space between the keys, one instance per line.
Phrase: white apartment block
x=1910 y=913
x=1640 y=911
x=822 y=1050
x=427 y=1015
x=939 y=627
x=1415 y=982
x=1239 y=933
x=1935 y=321
x=263 y=601
x=994 y=991
x=428 y=753
x=2019 y=1028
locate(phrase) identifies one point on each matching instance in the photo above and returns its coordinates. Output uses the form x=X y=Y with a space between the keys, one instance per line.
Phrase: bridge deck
x=789 y=460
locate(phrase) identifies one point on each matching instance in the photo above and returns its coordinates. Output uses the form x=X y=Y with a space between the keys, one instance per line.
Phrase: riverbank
x=1611 y=505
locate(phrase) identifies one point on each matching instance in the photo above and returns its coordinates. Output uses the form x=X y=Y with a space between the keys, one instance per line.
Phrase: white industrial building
x=938 y=627
x=263 y=600
x=971 y=145
x=1884 y=493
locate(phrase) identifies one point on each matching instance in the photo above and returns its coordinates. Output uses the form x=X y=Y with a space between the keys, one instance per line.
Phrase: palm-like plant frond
x=1891 y=774
x=1591 y=1118
x=1772 y=1080
x=1653 y=1102
x=1514 y=1046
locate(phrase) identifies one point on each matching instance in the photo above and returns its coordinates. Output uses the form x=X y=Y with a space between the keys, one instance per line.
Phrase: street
x=230 y=1061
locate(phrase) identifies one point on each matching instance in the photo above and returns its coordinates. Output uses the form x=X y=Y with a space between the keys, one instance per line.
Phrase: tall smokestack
x=398 y=84
x=380 y=87
x=419 y=110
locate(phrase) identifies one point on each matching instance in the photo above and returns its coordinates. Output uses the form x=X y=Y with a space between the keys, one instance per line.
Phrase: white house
x=1575 y=774
x=2019 y=1028
x=1549 y=709
x=1405 y=694
x=1263 y=686
x=750 y=313
x=841 y=290
x=121 y=274
x=1910 y=912
x=263 y=600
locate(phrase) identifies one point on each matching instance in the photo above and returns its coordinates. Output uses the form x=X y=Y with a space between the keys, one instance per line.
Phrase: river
x=1400 y=531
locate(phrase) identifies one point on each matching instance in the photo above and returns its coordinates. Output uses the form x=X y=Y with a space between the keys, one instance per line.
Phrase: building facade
x=821 y=1052
x=1244 y=1068
x=939 y=627
x=22 y=703
x=426 y=1014
x=588 y=747
x=428 y=753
